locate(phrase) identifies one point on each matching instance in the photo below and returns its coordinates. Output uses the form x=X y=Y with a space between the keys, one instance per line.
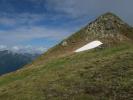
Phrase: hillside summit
x=108 y=28
x=104 y=73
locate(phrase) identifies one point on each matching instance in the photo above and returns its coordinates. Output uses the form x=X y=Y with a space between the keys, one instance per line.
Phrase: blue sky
x=40 y=24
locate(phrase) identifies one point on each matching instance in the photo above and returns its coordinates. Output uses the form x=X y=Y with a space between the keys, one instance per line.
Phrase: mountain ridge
x=108 y=32
x=60 y=74
x=11 y=61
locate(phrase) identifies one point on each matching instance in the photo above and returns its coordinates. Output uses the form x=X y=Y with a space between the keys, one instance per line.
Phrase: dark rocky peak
x=107 y=21
x=110 y=17
x=108 y=28
x=106 y=24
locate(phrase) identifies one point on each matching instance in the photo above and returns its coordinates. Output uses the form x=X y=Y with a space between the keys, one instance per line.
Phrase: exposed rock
x=64 y=43
x=107 y=25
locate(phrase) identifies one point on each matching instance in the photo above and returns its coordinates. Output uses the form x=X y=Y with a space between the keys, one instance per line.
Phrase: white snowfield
x=89 y=46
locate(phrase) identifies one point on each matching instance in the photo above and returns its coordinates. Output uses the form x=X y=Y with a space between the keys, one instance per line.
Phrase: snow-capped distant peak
x=89 y=46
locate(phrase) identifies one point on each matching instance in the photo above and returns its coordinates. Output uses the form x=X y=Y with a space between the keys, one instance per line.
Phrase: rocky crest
x=108 y=28
x=108 y=25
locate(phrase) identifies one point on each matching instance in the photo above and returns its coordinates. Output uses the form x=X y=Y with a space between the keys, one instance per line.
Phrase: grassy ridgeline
x=100 y=74
x=104 y=73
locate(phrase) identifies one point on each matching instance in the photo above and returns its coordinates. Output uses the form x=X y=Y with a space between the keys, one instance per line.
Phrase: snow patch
x=89 y=46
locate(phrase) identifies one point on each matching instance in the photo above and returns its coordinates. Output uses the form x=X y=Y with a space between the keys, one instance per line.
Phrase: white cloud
x=7 y=21
x=13 y=19
x=72 y=9
x=76 y=10
x=23 y=49
x=26 y=34
x=15 y=48
x=3 y=47
x=81 y=8
x=28 y=49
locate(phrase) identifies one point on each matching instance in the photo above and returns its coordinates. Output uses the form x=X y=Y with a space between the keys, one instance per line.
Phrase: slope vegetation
x=60 y=74
x=96 y=75
x=108 y=28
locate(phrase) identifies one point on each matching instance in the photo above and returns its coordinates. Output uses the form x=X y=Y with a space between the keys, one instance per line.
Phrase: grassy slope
x=108 y=28
x=74 y=41
x=100 y=74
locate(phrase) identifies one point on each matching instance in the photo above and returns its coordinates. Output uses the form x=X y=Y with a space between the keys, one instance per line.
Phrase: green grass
x=100 y=74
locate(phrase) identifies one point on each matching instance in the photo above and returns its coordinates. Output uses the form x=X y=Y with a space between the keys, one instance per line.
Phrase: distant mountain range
x=11 y=61
x=103 y=73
